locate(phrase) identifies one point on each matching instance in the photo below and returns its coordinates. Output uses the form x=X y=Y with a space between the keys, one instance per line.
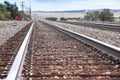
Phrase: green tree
x=4 y=14
x=12 y=8
x=106 y=15
x=87 y=16
x=8 y=11
x=93 y=16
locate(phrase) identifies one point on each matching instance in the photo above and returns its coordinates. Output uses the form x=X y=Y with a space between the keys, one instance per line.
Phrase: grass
x=59 y=15
x=117 y=19
x=68 y=15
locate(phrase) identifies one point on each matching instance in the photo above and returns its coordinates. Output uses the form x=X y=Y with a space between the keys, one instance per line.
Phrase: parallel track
x=104 y=26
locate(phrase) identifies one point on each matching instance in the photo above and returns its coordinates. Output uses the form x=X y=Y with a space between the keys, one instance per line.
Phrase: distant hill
x=112 y=10
x=75 y=11
x=69 y=11
x=79 y=11
x=115 y=10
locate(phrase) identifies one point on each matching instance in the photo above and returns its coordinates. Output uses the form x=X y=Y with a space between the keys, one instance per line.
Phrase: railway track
x=104 y=26
x=8 y=51
x=52 y=55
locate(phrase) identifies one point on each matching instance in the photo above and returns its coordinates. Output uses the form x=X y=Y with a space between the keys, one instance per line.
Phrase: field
x=59 y=15
x=44 y=15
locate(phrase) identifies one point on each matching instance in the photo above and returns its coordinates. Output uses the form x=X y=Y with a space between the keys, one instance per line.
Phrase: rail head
x=107 y=48
x=16 y=68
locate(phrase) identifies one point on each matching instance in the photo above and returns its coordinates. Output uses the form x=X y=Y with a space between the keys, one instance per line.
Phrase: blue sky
x=61 y=5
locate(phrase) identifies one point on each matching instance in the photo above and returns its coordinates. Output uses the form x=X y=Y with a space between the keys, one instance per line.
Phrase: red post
x=16 y=18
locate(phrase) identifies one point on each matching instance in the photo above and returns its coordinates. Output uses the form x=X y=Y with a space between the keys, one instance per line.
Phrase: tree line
x=104 y=15
x=8 y=11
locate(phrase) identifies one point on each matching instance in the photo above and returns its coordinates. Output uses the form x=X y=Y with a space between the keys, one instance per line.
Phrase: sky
x=62 y=5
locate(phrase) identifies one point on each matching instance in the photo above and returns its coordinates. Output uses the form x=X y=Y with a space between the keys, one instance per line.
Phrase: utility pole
x=30 y=8
x=26 y=11
x=22 y=4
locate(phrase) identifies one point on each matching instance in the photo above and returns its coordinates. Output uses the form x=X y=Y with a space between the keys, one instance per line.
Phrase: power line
x=26 y=10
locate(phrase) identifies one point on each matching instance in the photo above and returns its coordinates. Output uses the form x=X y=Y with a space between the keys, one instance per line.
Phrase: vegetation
x=4 y=14
x=8 y=11
x=93 y=16
x=104 y=15
x=117 y=19
x=12 y=8
x=52 y=18
x=63 y=19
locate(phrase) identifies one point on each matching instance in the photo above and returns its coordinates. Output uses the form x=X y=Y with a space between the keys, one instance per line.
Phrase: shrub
x=52 y=18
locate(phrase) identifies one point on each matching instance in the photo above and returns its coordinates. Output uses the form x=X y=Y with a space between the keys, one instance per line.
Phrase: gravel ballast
x=10 y=28
x=107 y=36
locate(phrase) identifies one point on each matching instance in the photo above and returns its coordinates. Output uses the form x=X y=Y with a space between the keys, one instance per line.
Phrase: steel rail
x=16 y=69
x=107 y=48
x=115 y=27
